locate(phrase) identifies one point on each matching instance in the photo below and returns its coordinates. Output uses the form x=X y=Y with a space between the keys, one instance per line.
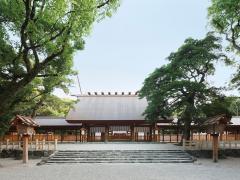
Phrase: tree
x=38 y=39
x=180 y=87
x=234 y=106
x=51 y=106
x=218 y=105
x=225 y=19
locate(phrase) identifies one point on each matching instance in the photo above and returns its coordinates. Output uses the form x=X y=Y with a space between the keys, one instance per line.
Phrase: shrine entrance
x=119 y=133
x=105 y=133
x=142 y=133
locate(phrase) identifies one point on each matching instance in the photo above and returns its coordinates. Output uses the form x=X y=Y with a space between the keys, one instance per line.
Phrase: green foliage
x=234 y=105
x=51 y=106
x=224 y=17
x=38 y=39
x=37 y=43
x=218 y=105
x=180 y=87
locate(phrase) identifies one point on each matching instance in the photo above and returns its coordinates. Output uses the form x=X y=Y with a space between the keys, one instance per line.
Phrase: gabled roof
x=24 y=120
x=219 y=119
x=108 y=107
x=53 y=121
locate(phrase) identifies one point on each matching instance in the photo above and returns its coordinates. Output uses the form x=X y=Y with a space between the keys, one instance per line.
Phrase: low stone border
x=223 y=154
x=17 y=154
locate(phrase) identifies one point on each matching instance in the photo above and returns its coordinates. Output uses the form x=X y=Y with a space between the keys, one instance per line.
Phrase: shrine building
x=105 y=117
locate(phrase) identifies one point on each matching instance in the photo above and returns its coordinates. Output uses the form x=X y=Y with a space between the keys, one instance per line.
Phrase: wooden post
x=55 y=144
x=177 y=134
x=80 y=136
x=215 y=147
x=61 y=135
x=88 y=134
x=48 y=147
x=150 y=136
x=163 y=135
x=25 y=149
x=76 y=135
x=106 y=133
x=132 y=133
x=184 y=144
x=170 y=136
x=221 y=136
x=7 y=143
x=43 y=144
x=36 y=144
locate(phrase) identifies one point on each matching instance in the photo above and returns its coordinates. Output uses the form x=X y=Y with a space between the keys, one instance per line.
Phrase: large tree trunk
x=8 y=95
x=188 y=117
x=187 y=130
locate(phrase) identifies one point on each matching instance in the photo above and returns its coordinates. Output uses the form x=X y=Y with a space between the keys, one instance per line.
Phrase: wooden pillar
x=237 y=134
x=170 y=136
x=25 y=149
x=132 y=133
x=150 y=136
x=159 y=134
x=191 y=132
x=61 y=135
x=215 y=147
x=76 y=135
x=221 y=136
x=106 y=133
x=80 y=135
x=88 y=134
x=163 y=135
x=177 y=134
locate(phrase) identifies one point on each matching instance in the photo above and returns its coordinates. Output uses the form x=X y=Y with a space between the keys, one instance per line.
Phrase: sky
x=123 y=50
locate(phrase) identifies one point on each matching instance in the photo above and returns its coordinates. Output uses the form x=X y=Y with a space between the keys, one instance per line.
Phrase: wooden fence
x=162 y=137
x=207 y=145
x=33 y=145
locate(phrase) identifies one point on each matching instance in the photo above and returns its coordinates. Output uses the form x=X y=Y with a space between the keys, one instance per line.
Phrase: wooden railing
x=33 y=145
x=207 y=145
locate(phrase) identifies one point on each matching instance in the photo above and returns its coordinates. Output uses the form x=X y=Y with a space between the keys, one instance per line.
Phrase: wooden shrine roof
x=219 y=119
x=24 y=120
x=109 y=107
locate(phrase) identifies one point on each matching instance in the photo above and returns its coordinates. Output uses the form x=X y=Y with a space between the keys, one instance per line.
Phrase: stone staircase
x=120 y=156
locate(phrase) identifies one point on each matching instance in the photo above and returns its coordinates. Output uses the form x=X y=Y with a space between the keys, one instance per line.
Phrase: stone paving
x=202 y=169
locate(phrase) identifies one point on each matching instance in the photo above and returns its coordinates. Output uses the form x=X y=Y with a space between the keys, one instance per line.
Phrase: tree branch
x=103 y=4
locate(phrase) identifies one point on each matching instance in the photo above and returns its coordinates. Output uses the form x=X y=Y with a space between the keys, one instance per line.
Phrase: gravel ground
x=204 y=169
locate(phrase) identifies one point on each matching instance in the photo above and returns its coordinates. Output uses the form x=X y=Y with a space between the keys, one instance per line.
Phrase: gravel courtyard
x=227 y=169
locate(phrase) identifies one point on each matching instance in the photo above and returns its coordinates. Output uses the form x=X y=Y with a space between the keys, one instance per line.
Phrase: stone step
x=120 y=156
x=118 y=161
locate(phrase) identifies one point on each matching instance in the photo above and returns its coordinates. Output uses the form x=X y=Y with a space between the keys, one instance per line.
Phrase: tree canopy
x=38 y=39
x=180 y=87
x=225 y=18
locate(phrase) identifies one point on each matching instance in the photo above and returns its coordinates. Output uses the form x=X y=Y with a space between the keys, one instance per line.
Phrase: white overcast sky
x=124 y=49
